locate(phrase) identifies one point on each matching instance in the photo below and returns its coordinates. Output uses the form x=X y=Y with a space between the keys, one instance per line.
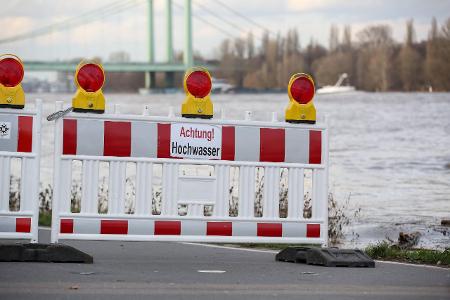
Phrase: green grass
x=45 y=219
x=381 y=251
x=386 y=251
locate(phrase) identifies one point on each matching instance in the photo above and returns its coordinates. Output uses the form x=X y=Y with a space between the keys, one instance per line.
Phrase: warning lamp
x=89 y=78
x=11 y=75
x=301 y=92
x=197 y=85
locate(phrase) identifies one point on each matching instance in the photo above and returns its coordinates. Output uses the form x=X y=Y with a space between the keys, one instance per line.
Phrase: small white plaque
x=197 y=141
x=5 y=130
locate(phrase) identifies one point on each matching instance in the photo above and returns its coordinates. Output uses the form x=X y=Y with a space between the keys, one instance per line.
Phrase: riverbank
x=382 y=251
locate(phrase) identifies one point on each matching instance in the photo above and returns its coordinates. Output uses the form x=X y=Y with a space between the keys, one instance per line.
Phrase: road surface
x=139 y=270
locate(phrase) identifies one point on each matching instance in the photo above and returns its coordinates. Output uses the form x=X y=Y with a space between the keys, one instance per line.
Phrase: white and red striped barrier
x=20 y=138
x=196 y=230
x=152 y=140
x=173 y=143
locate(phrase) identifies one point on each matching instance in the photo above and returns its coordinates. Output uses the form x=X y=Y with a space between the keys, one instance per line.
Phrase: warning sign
x=195 y=141
x=5 y=130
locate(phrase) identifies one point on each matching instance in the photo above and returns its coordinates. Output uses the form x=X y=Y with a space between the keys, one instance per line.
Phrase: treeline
x=373 y=62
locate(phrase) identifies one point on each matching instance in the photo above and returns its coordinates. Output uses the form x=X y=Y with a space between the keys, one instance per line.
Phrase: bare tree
x=239 y=63
x=373 y=61
x=226 y=59
x=330 y=67
x=410 y=69
x=334 y=38
x=433 y=34
x=250 y=46
x=375 y=56
x=437 y=62
x=347 y=38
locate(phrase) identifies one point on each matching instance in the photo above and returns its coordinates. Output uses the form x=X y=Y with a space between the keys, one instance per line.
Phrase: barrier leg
x=169 y=189
x=117 y=178
x=5 y=167
x=271 y=195
x=221 y=207
x=29 y=194
x=295 y=193
x=144 y=185
x=246 y=191
x=56 y=176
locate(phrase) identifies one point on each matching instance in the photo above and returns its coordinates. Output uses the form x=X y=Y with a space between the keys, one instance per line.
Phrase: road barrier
x=174 y=144
x=269 y=204
x=20 y=138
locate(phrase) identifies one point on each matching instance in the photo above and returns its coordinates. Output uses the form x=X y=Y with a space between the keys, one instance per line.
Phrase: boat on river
x=338 y=87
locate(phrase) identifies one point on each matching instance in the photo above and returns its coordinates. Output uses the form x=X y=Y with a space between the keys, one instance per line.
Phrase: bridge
x=169 y=66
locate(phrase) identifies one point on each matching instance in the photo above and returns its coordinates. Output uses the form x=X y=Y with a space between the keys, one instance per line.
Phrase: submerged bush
x=338 y=219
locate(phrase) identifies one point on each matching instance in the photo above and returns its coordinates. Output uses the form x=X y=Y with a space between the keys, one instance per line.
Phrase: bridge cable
x=69 y=23
x=83 y=19
x=220 y=17
x=180 y=7
x=242 y=16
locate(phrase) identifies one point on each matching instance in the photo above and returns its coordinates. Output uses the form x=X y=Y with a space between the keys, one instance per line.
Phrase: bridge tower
x=170 y=76
x=188 y=59
x=150 y=76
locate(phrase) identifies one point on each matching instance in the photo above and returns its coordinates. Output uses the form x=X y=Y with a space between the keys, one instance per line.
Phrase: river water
x=389 y=154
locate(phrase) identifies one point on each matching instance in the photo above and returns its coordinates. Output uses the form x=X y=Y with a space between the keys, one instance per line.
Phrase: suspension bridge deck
x=109 y=67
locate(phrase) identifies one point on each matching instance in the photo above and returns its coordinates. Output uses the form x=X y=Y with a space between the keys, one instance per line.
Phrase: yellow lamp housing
x=11 y=75
x=89 y=78
x=197 y=85
x=301 y=92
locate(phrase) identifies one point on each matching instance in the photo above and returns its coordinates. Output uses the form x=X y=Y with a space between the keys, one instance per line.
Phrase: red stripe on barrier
x=163 y=140
x=272 y=144
x=25 y=134
x=117 y=139
x=69 y=137
x=23 y=225
x=114 y=227
x=219 y=228
x=315 y=147
x=167 y=227
x=270 y=229
x=228 y=143
x=313 y=230
x=66 y=226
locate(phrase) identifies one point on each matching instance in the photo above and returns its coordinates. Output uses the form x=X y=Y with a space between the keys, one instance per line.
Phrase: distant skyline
x=127 y=32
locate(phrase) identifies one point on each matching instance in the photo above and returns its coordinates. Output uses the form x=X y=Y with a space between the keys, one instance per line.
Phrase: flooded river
x=389 y=152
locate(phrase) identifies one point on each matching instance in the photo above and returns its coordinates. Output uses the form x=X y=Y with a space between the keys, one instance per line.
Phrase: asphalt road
x=138 y=270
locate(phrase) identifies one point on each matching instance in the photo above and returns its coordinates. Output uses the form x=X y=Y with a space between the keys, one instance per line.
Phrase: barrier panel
x=193 y=207
x=20 y=138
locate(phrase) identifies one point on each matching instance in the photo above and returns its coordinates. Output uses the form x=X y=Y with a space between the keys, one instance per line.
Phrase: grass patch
x=387 y=251
x=45 y=218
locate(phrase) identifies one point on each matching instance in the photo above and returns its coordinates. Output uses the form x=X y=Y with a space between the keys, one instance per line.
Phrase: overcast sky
x=127 y=30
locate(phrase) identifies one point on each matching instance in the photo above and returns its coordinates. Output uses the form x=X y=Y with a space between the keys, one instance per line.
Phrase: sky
x=127 y=30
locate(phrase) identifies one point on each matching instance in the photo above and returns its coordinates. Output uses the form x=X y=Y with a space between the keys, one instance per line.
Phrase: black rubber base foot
x=43 y=253
x=328 y=257
x=94 y=111
x=301 y=121
x=12 y=106
x=191 y=116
